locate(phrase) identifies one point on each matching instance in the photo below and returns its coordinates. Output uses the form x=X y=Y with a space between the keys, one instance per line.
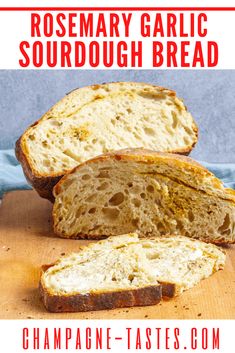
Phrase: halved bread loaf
x=93 y=120
x=145 y=191
x=127 y=271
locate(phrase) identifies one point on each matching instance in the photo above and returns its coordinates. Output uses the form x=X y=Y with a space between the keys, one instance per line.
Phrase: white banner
x=117 y=39
x=117 y=336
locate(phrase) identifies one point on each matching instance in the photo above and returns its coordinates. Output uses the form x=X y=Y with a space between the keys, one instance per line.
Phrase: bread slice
x=93 y=120
x=127 y=271
x=145 y=191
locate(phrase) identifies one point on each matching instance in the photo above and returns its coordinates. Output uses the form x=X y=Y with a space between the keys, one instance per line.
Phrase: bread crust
x=44 y=184
x=149 y=157
x=150 y=295
x=169 y=290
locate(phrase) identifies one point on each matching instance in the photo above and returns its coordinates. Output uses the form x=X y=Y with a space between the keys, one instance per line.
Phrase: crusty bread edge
x=149 y=295
x=44 y=184
x=101 y=301
x=146 y=156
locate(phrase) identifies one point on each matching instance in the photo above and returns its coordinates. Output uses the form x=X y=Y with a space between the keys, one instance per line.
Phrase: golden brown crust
x=168 y=290
x=101 y=301
x=221 y=241
x=44 y=184
x=148 y=156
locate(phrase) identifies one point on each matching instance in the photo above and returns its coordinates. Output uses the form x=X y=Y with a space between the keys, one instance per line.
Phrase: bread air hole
x=190 y=216
x=86 y=177
x=91 y=198
x=169 y=129
x=149 y=131
x=46 y=163
x=179 y=225
x=116 y=199
x=79 y=212
x=103 y=186
x=136 y=202
x=67 y=183
x=92 y=210
x=131 y=277
x=70 y=154
x=32 y=137
x=150 y=188
x=188 y=130
x=174 y=120
x=135 y=222
x=152 y=256
x=103 y=174
x=111 y=213
x=56 y=123
x=137 y=136
x=169 y=103
x=158 y=202
x=106 y=168
x=224 y=228
x=161 y=227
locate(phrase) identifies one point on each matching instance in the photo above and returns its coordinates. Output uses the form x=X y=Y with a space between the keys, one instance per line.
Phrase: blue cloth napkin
x=12 y=177
x=11 y=174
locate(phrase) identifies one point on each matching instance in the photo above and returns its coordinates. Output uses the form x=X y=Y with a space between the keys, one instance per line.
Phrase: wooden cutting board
x=27 y=241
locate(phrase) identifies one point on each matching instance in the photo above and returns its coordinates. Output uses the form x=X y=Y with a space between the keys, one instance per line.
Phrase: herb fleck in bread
x=101 y=118
x=145 y=191
x=127 y=271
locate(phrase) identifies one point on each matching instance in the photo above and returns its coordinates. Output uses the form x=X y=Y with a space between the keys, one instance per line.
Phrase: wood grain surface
x=27 y=242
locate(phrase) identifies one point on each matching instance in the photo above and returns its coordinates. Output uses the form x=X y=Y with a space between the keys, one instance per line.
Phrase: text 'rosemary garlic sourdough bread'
x=145 y=191
x=126 y=271
x=94 y=120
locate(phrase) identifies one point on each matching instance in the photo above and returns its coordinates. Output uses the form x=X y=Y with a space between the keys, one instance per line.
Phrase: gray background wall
x=209 y=96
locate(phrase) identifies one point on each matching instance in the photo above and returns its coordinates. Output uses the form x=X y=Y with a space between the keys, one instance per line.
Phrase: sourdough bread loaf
x=93 y=120
x=127 y=271
x=143 y=191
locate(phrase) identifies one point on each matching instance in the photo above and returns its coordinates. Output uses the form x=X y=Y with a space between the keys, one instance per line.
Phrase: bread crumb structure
x=127 y=271
x=145 y=191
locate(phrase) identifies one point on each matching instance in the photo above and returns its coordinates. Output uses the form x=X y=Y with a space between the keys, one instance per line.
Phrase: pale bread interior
x=97 y=119
x=113 y=196
x=127 y=262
